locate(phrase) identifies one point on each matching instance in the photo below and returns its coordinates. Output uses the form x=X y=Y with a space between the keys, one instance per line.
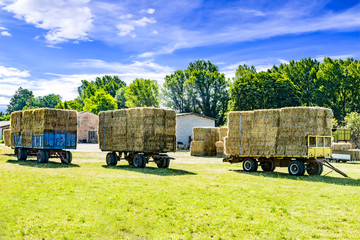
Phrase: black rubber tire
x=68 y=157
x=250 y=165
x=268 y=166
x=144 y=162
x=47 y=155
x=314 y=169
x=296 y=168
x=21 y=154
x=111 y=159
x=163 y=163
x=138 y=160
x=41 y=156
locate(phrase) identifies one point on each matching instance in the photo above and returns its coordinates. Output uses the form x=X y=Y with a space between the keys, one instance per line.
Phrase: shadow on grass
x=34 y=163
x=324 y=179
x=152 y=170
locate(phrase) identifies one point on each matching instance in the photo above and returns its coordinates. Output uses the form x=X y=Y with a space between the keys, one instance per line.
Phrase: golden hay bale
x=355 y=154
x=341 y=146
x=222 y=133
x=138 y=129
x=197 y=148
x=275 y=131
x=7 y=137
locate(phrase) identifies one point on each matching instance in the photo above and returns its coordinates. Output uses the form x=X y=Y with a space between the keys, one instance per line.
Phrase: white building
x=3 y=125
x=185 y=123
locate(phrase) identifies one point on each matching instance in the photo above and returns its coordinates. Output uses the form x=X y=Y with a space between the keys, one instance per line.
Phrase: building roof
x=86 y=112
x=4 y=124
x=196 y=114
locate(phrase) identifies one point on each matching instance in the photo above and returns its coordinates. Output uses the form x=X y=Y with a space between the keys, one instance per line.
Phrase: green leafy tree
x=4 y=117
x=262 y=90
x=142 y=93
x=207 y=89
x=120 y=98
x=175 y=94
x=75 y=104
x=21 y=98
x=101 y=101
x=352 y=121
x=108 y=83
x=48 y=101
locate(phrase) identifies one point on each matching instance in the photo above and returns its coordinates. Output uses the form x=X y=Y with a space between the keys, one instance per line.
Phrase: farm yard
x=197 y=197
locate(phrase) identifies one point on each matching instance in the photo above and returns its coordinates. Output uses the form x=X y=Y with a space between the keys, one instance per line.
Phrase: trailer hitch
x=326 y=163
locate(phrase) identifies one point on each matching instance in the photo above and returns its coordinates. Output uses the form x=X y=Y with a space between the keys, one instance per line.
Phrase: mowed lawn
x=197 y=198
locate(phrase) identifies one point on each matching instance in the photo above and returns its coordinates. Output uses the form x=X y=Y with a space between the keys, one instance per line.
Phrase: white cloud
x=149 y=11
x=64 y=19
x=5 y=33
x=13 y=72
x=129 y=25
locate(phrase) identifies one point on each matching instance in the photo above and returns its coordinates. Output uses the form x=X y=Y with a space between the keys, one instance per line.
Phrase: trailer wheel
x=21 y=154
x=268 y=166
x=314 y=168
x=250 y=165
x=144 y=161
x=68 y=157
x=111 y=159
x=296 y=168
x=163 y=163
x=41 y=157
x=138 y=161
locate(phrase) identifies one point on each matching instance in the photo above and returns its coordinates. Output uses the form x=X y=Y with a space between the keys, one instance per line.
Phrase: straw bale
x=275 y=131
x=209 y=135
x=7 y=137
x=29 y=123
x=355 y=154
x=197 y=148
x=220 y=148
x=222 y=133
x=341 y=146
x=138 y=129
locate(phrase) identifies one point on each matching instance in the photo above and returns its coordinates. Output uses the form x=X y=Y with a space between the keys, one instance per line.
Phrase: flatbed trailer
x=48 y=145
x=319 y=150
x=139 y=159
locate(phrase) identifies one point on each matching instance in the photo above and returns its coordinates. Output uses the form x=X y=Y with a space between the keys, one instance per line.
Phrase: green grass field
x=196 y=198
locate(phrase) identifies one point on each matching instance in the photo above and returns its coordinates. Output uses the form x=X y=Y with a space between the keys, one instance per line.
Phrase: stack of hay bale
x=220 y=143
x=346 y=148
x=7 y=137
x=341 y=146
x=276 y=131
x=138 y=130
x=35 y=122
x=204 y=143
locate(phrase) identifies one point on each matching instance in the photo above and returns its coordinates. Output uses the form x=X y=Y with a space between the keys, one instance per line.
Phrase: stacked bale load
x=240 y=133
x=29 y=123
x=220 y=148
x=138 y=130
x=204 y=142
x=296 y=123
x=276 y=131
x=7 y=137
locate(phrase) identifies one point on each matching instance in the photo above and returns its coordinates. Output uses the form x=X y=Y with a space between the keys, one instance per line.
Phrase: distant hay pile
x=276 y=131
x=220 y=145
x=7 y=137
x=206 y=141
x=138 y=129
x=341 y=146
x=29 y=123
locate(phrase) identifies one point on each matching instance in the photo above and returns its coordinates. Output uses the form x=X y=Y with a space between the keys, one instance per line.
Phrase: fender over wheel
x=250 y=165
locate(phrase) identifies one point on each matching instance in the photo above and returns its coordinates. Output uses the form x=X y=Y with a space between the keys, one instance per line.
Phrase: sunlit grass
x=195 y=198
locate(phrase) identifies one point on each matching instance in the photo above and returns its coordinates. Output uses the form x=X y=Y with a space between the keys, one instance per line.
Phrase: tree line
x=201 y=88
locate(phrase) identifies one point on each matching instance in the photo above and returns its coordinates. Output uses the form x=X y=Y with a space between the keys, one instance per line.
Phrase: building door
x=93 y=137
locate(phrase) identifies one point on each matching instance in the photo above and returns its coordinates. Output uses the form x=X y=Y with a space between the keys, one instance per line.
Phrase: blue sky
x=49 y=46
